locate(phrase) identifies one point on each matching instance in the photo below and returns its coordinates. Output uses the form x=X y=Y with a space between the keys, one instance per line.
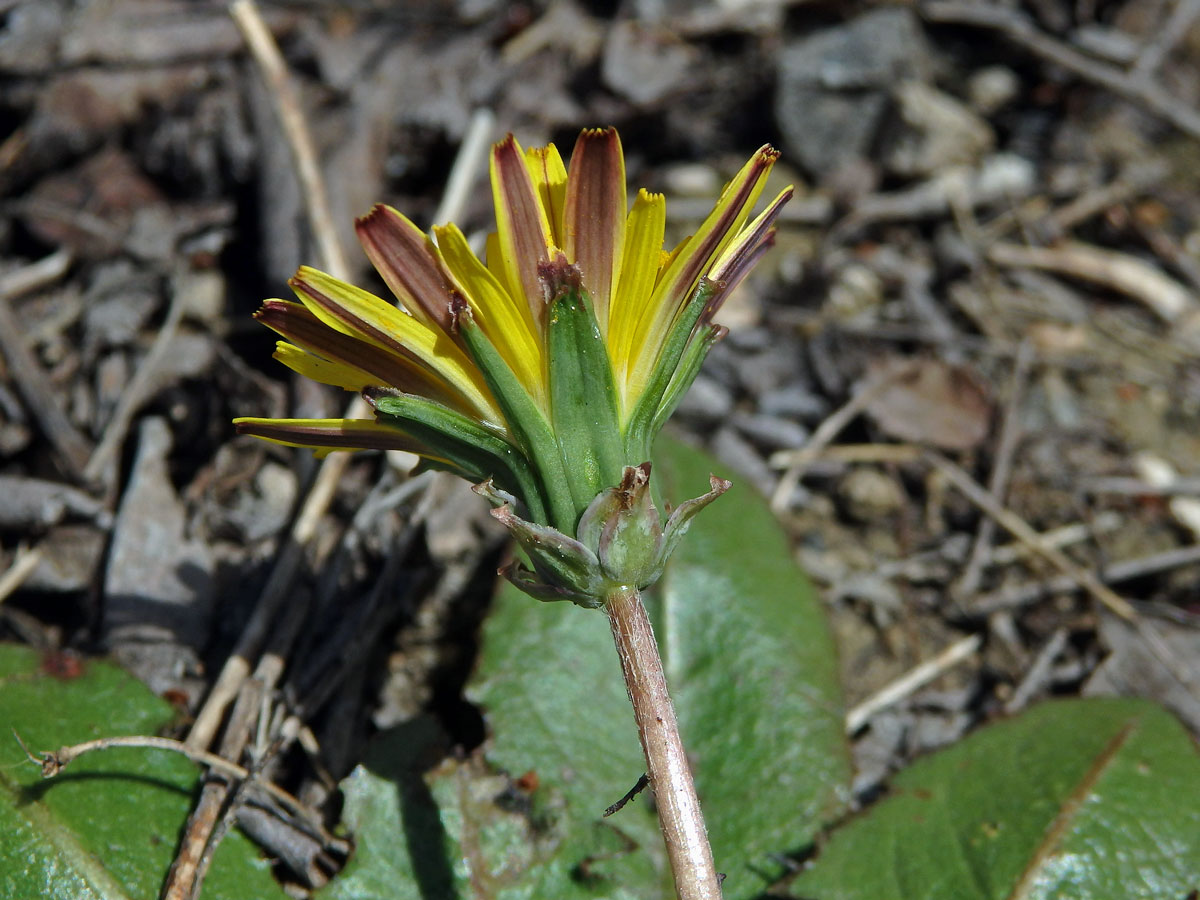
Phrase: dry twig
x=1021 y=530
x=1152 y=564
x=1010 y=433
x=911 y=681
x=1038 y=673
x=22 y=567
x=52 y=764
x=295 y=128
x=1171 y=33
x=72 y=448
x=1024 y=532
x=1120 y=272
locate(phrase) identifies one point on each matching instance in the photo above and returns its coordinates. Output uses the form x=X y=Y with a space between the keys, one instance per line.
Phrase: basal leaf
x=427 y=831
x=1082 y=799
x=109 y=825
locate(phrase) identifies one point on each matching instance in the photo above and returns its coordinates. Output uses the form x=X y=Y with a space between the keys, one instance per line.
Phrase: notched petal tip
x=374 y=213
x=599 y=131
x=768 y=154
x=507 y=144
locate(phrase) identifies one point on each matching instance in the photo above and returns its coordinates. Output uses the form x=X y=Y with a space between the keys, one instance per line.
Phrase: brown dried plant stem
x=679 y=814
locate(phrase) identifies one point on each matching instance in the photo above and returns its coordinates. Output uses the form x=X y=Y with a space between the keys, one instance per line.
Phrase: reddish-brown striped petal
x=732 y=263
x=403 y=256
x=402 y=371
x=742 y=255
x=595 y=214
x=694 y=256
x=521 y=223
x=331 y=434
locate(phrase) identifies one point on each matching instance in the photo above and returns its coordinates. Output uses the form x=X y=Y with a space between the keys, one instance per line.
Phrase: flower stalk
x=679 y=815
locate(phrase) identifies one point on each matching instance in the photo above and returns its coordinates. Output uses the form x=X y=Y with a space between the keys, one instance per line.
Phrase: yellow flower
x=550 y=366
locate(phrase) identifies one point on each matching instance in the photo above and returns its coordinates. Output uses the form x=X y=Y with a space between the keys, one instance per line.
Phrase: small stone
x=868 y=495
x=833 y=84
x=71 y=554
x=692 y=180
x=856 y=288
x=643 y=63
x=264 y=512
x=936 y=131
x=158 y=588
x=203 y=295
x=991 y=88
x=770 y=432
x=34 y=504
x=795 y=401
x=706 y=401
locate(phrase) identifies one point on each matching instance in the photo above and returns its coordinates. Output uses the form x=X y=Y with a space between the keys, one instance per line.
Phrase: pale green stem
x=670 y=777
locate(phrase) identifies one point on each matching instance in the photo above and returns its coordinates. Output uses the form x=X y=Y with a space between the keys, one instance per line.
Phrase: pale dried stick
x=1024 y=532
x=46 y=270
x=1010 y=433
x=1155 y=50
x=1120 y=272
x=22 y=566
x=70 y=446
x=52 y=763
x=911 y=681
x=187 y=870
x=291 y=117
x=467 y=164
x=1104 y=522
x=320 y=495
x=288 y=108
x=1039 y=672
x=1124 y=570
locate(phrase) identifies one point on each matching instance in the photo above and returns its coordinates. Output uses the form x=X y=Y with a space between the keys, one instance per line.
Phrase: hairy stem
x=679 y=814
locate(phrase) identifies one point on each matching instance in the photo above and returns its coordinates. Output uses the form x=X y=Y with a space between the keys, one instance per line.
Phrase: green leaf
x=109 y=825
x=394 y=820
x=1081 y=799
x=751 y=666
